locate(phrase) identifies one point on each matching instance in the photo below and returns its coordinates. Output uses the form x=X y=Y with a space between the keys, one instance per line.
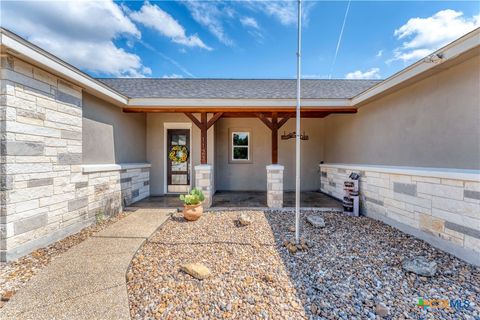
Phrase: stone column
x=204 y=182
x=275 y=186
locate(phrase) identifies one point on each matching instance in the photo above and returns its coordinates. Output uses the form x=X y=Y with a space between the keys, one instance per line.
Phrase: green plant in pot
x=192 y=204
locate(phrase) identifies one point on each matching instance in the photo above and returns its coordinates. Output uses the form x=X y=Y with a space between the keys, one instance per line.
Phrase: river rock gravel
x=352 y=270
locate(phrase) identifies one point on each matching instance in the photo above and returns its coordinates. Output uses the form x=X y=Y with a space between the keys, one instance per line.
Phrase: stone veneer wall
x=44 y=194
x=439 y=206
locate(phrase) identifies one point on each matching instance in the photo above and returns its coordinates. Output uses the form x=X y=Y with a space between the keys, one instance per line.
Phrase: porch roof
x=237 y=88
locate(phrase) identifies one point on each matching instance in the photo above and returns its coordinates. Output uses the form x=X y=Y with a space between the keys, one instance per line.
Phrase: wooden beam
x=265 y=110
x=274 y=138
x=203 y=138
x=265 y=120
x=283 y=121
x=214 y=119
x=194 y=119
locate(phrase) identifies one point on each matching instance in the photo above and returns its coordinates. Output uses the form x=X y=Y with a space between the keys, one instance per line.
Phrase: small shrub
x=193 y=198
x=99 y=216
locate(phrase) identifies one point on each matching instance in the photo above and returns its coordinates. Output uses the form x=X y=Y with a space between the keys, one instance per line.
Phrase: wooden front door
x=178 y=172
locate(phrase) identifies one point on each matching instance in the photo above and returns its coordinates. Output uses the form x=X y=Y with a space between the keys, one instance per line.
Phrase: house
x=75 y=147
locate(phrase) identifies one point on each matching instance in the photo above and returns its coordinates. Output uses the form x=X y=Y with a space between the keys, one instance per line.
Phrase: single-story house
x=74 y=147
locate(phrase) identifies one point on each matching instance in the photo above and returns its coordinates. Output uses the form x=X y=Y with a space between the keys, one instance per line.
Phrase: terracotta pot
x=192 y=212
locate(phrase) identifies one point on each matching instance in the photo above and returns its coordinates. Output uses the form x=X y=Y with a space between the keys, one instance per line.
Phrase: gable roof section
x=237 y=88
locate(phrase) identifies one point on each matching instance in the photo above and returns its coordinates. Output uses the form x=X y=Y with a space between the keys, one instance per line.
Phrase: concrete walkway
x=88 y=281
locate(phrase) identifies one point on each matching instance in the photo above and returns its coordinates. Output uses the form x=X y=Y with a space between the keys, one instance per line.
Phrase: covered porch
x=239 y=157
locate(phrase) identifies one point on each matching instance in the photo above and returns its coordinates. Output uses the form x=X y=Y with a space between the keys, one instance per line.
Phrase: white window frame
x=247 y=146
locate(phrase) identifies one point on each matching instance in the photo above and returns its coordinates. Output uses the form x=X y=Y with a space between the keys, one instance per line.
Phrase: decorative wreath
x=178 y=154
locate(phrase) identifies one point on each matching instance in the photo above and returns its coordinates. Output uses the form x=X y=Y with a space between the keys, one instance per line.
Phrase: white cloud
x=154 y=17
x=211 y=15
x=215 y=15
x=422 y=36
x=379 y=54
x=283 y=11
x=80 y=32
x=373 y=73
x=249 y=22
x=172 y=76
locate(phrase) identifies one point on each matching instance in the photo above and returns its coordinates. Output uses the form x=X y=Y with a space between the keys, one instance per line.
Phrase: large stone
x=316 y=221
x=196 y=270
x=244 y=219
x=382 y=310
x=30 y=223
x=24 y=148
x=421 y=266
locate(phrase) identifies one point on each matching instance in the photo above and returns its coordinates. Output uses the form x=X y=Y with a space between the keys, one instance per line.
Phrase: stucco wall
x=432 y=123
x=156 y=151
x=110 y=135
x=253 y=175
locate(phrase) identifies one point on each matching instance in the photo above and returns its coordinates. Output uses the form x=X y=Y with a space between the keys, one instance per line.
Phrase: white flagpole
x=297 y=130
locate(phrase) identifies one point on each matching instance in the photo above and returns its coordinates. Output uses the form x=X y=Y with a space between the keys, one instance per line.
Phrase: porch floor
x=245 y=199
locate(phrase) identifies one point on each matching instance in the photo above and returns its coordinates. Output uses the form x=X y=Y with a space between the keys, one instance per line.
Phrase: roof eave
x=27 y=51
x=456 y=48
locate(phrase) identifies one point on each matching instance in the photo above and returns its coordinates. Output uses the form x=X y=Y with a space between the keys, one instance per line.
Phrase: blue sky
x=239 y=39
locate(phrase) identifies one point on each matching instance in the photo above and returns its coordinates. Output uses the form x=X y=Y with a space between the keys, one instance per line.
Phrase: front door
x=178 y=160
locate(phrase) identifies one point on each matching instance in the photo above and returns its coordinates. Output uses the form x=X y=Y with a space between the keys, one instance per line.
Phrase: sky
x=240 y=39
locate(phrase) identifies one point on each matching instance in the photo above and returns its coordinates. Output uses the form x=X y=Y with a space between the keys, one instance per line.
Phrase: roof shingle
x=237 y=88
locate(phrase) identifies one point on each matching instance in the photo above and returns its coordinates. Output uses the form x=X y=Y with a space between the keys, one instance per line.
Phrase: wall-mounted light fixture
x=435 y=58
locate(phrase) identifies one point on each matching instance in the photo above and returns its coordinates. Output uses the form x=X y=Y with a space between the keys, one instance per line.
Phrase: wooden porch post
x=203 y=125
x=274 y=138
x=203 y=138
x=273 y=125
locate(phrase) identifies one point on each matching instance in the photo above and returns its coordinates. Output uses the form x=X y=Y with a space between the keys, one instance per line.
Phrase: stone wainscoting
x=109 y=188
x=440 y=206
x=45 y=193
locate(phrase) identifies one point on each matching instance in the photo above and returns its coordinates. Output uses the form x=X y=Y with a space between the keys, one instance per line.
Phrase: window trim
x=231 y=147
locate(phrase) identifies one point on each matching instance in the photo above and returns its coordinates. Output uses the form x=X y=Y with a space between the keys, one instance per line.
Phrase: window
x=241 y=145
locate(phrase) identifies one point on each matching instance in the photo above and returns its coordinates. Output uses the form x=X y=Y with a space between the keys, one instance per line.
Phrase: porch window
x=240 y=145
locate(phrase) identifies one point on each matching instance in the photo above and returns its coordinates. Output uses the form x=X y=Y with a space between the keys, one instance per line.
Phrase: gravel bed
x=14 y=275
x=353 y=268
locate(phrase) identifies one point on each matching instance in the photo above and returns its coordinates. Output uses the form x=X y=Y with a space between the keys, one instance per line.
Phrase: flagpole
x=297 y=130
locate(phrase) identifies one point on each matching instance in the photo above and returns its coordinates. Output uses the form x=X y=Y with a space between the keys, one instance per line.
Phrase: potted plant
x=192 y=204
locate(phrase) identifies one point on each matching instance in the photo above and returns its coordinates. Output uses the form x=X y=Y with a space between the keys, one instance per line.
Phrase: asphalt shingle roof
x=237 y=88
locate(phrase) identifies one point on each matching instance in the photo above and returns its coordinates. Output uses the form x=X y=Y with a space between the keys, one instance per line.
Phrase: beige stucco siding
x=110 y=135
x=432 y=123
x=253 y=175
x=156 y=151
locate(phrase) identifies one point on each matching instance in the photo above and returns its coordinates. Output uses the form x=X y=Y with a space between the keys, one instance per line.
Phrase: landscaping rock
x=244 y=220
x=316 y=221
x=382 y=310
x=196 y=270
x=421 y=266
x=353 y=271
x=7 y=296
